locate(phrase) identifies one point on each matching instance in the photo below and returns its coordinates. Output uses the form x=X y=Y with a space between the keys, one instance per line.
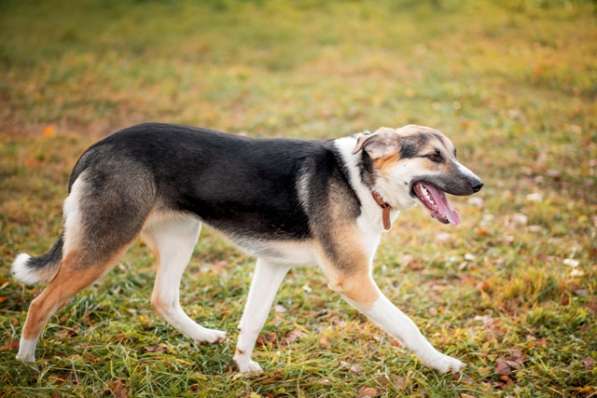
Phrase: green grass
x=513 y=83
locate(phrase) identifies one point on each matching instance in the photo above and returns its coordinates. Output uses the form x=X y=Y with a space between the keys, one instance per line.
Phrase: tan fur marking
x=352 y=256
x=345 y=241
x=68 y=281
x=385 y=163
x=351 y=275
x=358 y=287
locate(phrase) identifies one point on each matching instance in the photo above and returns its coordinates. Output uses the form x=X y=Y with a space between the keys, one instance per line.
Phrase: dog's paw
x=210 y=336
x=247 y=366
x=26 y=351
x=445 y=363
x=26 y=357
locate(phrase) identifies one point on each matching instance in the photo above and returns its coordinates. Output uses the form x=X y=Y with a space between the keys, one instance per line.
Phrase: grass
x=511 y=291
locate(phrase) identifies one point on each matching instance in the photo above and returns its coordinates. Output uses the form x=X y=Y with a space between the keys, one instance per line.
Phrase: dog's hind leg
x=70 y=279
x=103 y=214
x=172 y=237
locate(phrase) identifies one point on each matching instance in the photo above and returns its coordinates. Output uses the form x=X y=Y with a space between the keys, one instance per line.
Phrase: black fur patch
x=242 y=186
x=411 y=145
x=52 y=257
x=367 y=170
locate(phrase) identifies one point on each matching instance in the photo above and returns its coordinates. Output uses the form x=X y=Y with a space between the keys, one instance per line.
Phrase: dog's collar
x=385 y=209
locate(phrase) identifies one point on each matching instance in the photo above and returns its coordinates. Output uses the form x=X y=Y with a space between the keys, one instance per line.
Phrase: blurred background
x=511 y=291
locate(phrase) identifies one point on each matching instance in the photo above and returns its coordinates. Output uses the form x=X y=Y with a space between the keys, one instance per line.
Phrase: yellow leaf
x=49 y=131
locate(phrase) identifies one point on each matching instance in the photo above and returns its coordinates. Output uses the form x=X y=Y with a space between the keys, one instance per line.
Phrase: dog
x=287 y=202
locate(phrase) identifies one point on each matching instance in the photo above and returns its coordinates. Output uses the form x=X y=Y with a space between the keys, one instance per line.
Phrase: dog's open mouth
x=436 y=202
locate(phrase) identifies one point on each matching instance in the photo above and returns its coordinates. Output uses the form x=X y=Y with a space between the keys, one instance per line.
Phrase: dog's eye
x=436 y=157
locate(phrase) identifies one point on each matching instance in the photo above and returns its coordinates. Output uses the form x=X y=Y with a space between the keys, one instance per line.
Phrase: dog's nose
x=477 y=185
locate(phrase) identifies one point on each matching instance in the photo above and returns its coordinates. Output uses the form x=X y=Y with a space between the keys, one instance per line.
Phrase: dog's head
x=417 y=163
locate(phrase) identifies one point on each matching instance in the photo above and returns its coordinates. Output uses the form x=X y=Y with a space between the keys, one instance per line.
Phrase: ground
x=511 y=291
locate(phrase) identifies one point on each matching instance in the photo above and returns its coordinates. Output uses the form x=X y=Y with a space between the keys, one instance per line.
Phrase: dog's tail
x=30 y=270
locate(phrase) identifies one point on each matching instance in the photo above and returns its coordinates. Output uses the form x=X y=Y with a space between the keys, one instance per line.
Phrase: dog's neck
x=363 y=182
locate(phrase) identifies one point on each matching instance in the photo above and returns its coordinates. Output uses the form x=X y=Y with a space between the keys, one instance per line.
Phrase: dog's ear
x=381 y=143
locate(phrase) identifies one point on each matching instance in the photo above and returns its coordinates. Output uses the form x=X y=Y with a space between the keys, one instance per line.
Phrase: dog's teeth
x=428 y=198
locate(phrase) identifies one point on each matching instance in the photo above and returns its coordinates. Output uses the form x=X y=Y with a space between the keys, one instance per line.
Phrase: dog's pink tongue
x=444 y=210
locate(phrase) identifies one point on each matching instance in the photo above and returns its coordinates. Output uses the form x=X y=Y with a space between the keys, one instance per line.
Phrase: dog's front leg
x=386 y=315
x=360 y=290
x=266 y=281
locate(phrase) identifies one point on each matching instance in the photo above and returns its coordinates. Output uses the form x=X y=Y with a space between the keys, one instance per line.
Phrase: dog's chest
x=282 y=251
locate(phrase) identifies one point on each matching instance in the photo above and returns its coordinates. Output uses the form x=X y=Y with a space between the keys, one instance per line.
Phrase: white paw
x=210 y=336
x=445 y=363
x=26 y=350
x=26 y=356
x=247 y=365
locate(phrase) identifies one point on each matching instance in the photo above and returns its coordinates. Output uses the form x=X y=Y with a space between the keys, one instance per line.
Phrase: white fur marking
x=399 y=325
x=26 y=350
x=466 y=171
x=72 y=215
x=293 y=252
x=302 y=188
x=265 y=284
x=371 y=213
x=175 y=238
x=22 y=272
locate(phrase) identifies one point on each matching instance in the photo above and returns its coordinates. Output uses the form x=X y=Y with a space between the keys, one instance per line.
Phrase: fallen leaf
x=571 y=262
x=219 y=266
x=502 y=368
x=483 y=286
x=324 y=341
x=399 y=382
x=535 y=228
x=576 y=273
x=581 y=292
x=356 y=368
x=482 y=232
x=291 y=337
x=443 y=237
x=535 y=197
x=66 y=333
x=519 y=219
x=118 y=388
x=476 y=201
x=266 y=339
x=9 y=346
x=486 y=320
x=156 y=348
x=48 y=131
x=517 y=356
x=469 y=257
x=280 y=308
x=367 y=392
x=411 y=262
x=586 y=391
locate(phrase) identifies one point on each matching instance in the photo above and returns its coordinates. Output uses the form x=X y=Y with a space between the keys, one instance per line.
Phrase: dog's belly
x=293 y=252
